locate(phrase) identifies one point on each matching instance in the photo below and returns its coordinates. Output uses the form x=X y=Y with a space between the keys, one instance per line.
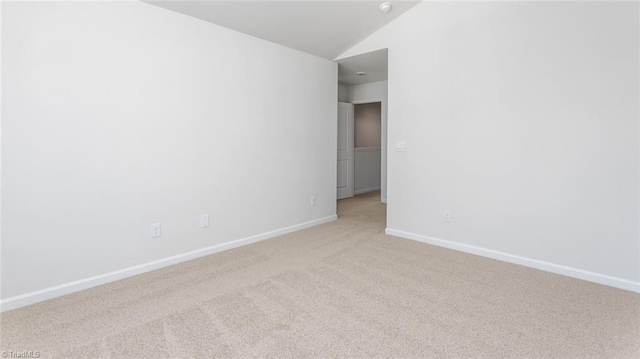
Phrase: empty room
x=320 y=179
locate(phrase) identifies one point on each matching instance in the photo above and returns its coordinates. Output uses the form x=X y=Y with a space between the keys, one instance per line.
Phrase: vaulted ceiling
x=322 y=28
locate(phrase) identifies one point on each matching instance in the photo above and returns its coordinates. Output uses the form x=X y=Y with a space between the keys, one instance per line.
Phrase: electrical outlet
x=314 y=200
x=155 y=230
x=447 y=215
x=204 y=221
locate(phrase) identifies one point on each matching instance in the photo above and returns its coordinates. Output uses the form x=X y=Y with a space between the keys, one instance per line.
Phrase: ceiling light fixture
x=361 y=73
x=385 y=7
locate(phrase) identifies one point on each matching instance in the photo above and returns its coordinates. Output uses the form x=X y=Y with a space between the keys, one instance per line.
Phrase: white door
x=345 y=150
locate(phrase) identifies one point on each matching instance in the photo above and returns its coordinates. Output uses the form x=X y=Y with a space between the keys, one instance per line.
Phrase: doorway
x=362 y=126
x=367 y=153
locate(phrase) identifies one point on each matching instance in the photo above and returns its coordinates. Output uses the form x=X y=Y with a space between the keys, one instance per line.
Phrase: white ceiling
x=323 y=28
x=373 y=63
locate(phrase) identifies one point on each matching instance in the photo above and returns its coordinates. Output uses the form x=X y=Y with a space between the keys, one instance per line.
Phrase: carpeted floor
x=343 y=289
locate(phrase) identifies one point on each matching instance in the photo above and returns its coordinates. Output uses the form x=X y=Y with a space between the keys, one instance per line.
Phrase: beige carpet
x=343 y=289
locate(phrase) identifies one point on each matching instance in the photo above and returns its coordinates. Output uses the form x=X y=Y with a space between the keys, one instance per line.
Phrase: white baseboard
x=527 y=262
x=76 y=286
x=365 y=190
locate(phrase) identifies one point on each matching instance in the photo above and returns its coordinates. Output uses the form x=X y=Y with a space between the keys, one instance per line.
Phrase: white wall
x=1 y=136
x=118 y=115
x=368 y=92
x=375 y=92
x=343 y=93
x=522 y=119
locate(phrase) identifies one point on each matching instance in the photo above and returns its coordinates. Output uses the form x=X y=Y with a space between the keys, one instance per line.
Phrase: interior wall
x=1 y=146
x=343 y=93
x=367 y=125
x=521 y=118
x=370 y=92
x=117 y=115
x=367 y=153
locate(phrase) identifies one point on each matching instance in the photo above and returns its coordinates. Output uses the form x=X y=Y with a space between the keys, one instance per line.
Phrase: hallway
x=364 y=209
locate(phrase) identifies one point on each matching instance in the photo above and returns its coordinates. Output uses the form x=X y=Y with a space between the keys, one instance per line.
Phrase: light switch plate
x=204 y=221
x=401 y=146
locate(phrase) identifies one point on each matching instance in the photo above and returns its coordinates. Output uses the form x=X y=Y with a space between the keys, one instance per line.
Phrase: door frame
x=383 y=142
x=350 y=149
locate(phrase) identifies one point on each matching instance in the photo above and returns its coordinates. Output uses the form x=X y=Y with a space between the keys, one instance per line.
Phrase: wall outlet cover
x=447 y=215
x=204 y=221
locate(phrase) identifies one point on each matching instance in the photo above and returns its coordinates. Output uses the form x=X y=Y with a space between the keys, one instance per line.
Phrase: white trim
x=527 y=262
x=369 y=100
x=367 y=149
x=365 y=190
x=76 y=286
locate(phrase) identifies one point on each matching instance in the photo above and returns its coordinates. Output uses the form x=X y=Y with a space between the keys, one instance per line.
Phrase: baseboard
x=76 y=286
x=527 y=262
x=366 y=190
